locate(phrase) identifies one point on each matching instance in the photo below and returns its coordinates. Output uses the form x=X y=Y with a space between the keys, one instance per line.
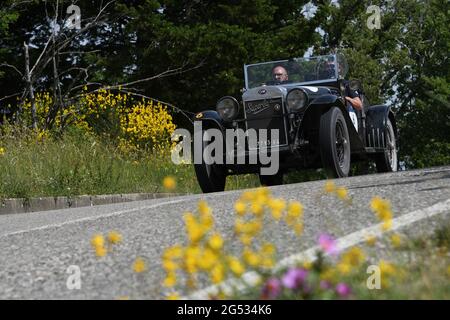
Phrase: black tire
x=388 y=160
x=334 y=143
x=269 y=181
x=210 y=177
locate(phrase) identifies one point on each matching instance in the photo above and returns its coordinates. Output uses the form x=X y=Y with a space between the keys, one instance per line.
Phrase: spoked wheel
x=210 y=176
x=334 y=143
x=269 y=181
x=388 y=161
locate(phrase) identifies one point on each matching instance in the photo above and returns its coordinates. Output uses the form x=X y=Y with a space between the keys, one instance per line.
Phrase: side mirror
x=355 y=85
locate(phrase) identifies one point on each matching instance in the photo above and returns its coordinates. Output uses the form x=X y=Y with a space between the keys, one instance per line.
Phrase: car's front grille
x=266 y=114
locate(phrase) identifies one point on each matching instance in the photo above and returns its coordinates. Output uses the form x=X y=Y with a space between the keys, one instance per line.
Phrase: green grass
x=76 y=164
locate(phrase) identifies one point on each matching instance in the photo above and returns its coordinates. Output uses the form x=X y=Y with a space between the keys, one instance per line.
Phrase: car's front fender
x=321 y=105
x=211 y=118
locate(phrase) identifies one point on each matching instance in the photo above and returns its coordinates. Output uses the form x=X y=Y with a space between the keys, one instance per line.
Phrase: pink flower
x=328 y=244
x=343 y=290
x=325 y=285
x=294 y=278
x=272 y=289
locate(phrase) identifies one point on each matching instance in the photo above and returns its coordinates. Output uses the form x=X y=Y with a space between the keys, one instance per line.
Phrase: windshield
x=298 y=70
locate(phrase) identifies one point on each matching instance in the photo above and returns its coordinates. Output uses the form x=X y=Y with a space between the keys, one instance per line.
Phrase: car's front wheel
x=388 y=161
x=334 y=143
x=210 y=176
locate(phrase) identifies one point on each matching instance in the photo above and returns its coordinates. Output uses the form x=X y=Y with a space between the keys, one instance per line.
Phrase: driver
x=280 y=74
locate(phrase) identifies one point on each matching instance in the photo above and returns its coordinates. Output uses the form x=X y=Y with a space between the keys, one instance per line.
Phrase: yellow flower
x=217 y=274
x=344 y=268
x=171 y=280
x=371 y=240
x=216 y=242
x=268 y=249
x=387 y=225
x=240 y=208
x=246 y=239
x=251 y=258
x=330 y=187
x=114 y=237
x=236 y=266
x=448 y=270
x=169 y=183
x=256 y=208
x=173 y=296
x=139 y=265
x=387 y=268
x=207 y=259
x=170 y=265
x=298 y=229
x=203 y=208
x=329 y=274
x=2 y=151
x=277 y=206
x=98 y=241
x=307 y=265
x=295 y=209
x=342 y=193
x=354 y=257
x=174 y=252
x=396 y=240
x=100 y=251
x=382 y=208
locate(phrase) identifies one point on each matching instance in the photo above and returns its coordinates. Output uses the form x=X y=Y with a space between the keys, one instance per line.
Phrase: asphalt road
x=37 y=249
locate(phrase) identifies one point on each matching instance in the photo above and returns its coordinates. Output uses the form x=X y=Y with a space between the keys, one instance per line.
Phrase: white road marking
x=112 y=214
x=343 y=243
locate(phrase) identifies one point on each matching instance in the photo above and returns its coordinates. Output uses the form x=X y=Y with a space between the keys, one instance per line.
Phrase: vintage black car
x=315 y=126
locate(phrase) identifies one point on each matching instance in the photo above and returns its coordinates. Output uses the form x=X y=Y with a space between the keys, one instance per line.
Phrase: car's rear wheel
x=270 y=181
x=388 y=161
x=334 y=143
x=210 y=177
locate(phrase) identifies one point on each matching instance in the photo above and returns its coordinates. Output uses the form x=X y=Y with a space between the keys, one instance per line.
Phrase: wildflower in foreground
x=169 y=183
x=271 y=289
x=2 y=151
x=371 y=240
x=216 y=242
x=396 y=240
x=328 y=244
x=98 y=242
x=139 y=265
x=173 y=296
x=330 y=187
x=343 y=290
x=114 y=237
x=294 y=278
x=342 y=193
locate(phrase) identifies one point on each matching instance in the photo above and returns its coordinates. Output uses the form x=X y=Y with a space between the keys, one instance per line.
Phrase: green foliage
x=404 y=64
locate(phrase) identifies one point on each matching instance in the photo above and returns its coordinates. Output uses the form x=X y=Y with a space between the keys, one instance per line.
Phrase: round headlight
x=296 y=100
x=227 y=108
